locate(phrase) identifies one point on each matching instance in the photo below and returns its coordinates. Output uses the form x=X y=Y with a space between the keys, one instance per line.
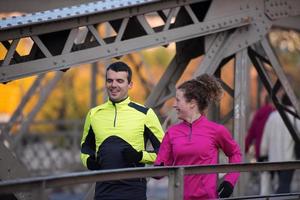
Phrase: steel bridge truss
x=218 y=30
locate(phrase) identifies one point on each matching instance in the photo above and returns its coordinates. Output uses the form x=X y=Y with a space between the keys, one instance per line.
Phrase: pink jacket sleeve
x=165 y=155
x=232 y=150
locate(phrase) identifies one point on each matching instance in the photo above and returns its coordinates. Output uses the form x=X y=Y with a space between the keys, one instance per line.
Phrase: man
x=115 y=135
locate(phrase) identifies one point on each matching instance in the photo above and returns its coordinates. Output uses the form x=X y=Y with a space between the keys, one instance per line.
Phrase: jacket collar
x=197 y=121
x=120 y=103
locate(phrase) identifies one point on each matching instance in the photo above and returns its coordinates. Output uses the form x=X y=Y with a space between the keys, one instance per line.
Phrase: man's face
x=117 y=85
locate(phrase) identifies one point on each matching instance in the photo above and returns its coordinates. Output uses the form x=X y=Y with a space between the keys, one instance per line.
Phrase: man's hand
x=93 y=163
x=225 y=189
x=131 y=155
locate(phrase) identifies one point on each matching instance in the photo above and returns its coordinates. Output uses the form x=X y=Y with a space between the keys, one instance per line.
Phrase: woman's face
x=182 y=107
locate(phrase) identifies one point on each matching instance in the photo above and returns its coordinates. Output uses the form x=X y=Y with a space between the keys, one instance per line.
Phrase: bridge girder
x=218 y=30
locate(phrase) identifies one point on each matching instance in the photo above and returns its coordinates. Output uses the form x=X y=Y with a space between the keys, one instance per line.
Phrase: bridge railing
x=175 y=175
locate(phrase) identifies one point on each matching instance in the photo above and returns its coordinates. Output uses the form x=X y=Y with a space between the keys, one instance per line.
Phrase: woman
x=196 y=140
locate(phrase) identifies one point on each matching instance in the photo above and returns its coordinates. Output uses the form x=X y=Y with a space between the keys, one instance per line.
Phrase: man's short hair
x=120 y=67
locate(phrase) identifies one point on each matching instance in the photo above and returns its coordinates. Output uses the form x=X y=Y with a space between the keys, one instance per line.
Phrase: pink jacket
x=198 y=144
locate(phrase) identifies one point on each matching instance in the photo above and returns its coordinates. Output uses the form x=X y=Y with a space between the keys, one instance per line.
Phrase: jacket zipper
x=115 y=119
x=190 y=133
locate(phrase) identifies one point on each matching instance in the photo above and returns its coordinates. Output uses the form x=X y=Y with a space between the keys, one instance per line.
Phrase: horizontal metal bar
x=59 y=62
x=244 y=167
x=17 y=28
x=267 y=196
x=68 y=12
x=117 y=174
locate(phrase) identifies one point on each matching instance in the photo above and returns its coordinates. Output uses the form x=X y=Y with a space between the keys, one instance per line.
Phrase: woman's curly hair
x=205 y=89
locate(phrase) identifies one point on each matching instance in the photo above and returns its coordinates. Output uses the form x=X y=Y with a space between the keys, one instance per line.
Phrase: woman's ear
x=193 y=103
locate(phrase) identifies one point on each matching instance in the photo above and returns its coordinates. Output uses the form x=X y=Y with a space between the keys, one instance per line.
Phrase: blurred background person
x=254 y=136
x=257 y=125
x=278 y=145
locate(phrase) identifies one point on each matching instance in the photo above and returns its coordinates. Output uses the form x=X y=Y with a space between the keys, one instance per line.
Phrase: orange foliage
x=11 y=94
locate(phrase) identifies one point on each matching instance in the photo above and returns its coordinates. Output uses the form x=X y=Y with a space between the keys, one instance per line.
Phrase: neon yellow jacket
x=111 y=127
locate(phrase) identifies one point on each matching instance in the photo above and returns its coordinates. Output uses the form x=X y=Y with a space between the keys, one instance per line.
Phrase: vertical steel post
x=241 y=107
x=175 y=189
x=94 y=72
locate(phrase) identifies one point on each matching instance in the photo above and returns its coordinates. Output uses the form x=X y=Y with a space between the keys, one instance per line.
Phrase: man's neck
x=114 y=102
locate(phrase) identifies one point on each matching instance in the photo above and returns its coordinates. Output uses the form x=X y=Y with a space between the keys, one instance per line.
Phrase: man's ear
x=130 y=85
